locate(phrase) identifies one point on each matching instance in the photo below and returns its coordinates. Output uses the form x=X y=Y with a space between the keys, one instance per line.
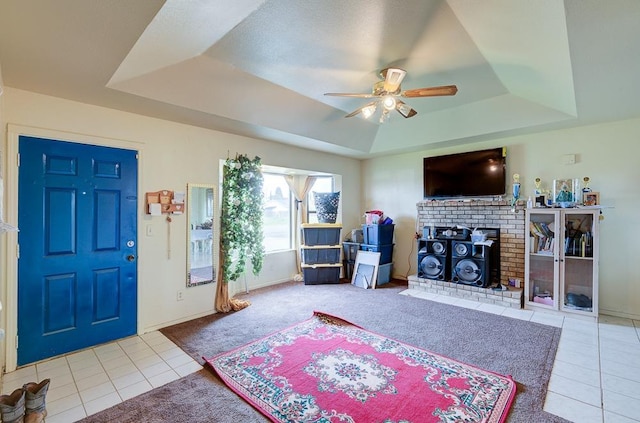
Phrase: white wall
x=3 y=260
x=607 y=153
x=171 y=155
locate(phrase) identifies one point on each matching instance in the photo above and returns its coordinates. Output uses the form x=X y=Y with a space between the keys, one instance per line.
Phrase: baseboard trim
x=620 y=314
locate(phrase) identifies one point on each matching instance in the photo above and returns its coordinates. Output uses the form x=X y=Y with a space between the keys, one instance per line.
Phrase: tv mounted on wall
x=463 y=175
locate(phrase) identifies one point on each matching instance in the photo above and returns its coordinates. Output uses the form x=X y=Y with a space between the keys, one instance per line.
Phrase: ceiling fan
x=387 y=93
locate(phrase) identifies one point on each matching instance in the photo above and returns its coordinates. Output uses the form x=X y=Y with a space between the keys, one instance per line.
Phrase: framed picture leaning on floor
x=365 y=269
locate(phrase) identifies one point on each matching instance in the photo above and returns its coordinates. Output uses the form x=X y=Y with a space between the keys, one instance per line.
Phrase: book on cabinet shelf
x=541 y=238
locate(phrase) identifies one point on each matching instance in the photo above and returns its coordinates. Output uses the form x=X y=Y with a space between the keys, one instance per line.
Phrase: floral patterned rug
x=326 y=369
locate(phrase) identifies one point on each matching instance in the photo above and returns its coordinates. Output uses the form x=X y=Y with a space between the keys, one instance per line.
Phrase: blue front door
x=77 y=272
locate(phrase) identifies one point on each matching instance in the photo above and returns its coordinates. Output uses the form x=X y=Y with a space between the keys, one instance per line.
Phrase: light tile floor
x=596 y=373
x=92 y=380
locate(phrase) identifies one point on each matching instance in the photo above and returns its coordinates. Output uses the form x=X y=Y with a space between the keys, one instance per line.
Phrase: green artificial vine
x=241 y=217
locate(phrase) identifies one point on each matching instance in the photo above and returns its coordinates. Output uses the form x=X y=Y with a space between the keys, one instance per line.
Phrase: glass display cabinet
x=561 y=260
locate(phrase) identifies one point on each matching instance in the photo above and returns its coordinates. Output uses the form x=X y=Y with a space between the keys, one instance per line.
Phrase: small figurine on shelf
x=540 y=195
x=586 y=181
x=587 y=200
x=515 y=190
x=538 y=182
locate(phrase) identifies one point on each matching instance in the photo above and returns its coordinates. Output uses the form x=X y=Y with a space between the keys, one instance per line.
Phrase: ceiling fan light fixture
x=368 y=111
x=384 y=116
x=389 y=103
x=387 y=94
x=405 y=110
x=392 y=79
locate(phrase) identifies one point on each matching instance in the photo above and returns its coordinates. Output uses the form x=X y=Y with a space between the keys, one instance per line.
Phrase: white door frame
x=11 y=239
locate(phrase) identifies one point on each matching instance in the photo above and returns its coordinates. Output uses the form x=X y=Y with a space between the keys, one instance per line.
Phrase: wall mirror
x=201 y=239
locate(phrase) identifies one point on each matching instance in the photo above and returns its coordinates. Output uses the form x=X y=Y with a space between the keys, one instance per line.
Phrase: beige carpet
x=524 y=350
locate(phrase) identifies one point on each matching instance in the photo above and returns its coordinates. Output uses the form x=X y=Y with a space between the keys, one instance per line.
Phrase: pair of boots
x=26 y=404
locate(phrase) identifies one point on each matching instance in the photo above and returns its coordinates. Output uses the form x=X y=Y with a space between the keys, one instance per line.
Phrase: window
x=279 y=207
x=322 y=184
x=277 y=219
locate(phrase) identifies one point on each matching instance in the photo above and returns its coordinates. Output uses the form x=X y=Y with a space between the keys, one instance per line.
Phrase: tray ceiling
x=260 y=68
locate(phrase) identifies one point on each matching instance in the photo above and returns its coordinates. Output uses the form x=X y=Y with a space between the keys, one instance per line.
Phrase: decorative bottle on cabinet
x=561 y=260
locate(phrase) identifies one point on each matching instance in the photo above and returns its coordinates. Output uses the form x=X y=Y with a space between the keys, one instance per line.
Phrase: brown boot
x=35 y=404
x=12 y=406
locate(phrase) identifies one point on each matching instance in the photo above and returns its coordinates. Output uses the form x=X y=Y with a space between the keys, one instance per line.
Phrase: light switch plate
x=569 y=159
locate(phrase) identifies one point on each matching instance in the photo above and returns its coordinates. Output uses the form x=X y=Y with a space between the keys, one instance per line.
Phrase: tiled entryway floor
x=596 y=373
x=92 y=380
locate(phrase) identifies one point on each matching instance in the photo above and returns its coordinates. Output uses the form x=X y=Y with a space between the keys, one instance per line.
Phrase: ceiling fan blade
x=351 y=95
x=431 y=91
x=367 y=110
x=405 y=110
x=392 y=79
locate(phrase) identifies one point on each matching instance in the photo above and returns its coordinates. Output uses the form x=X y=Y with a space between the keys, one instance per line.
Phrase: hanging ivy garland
x=241 y=217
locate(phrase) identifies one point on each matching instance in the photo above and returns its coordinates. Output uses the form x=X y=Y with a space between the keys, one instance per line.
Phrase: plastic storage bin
x=386 y=251
x=350 y=250
x=357 y=236
x=377 y=234
x=321 y=273
x=321 y=234
x=320 y=254
x=348 y=265
x=384 y=273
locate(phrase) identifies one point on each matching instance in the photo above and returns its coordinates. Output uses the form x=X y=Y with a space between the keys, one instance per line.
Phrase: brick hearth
x=479 y=214
x=511 y=298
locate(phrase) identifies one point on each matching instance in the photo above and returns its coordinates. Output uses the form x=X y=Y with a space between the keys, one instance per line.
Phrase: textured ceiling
x=261 y=67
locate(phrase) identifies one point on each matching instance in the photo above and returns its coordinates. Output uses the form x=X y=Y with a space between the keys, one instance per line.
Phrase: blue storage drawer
x=386 y=251
x=321 y=274
x=384 y=274
x=319 y=255
x=348 y=268
x=350 y=250
x=321 y=234
x=378 y=234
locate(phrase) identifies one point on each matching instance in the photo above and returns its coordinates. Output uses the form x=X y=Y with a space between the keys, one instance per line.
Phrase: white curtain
x=300 y=185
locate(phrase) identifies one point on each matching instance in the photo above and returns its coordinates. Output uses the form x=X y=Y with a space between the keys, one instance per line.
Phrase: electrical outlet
x=180 y=295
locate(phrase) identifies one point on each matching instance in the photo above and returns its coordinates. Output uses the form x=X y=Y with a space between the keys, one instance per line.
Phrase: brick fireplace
x=478 y=214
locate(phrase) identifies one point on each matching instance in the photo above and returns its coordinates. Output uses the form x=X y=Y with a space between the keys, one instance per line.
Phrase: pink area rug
x=326 y=369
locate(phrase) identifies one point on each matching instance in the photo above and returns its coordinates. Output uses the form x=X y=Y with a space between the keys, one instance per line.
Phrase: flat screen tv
x=463 y=175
